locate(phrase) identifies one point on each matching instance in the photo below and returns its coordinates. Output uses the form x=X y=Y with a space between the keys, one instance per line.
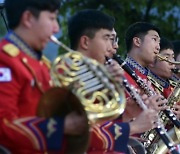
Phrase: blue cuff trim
x=122 y=140
x=53 y=130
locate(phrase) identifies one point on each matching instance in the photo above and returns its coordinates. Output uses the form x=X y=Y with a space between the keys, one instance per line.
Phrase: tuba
x=82 y=85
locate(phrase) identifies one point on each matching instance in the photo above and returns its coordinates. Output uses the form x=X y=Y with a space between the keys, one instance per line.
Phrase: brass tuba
x=87 y=87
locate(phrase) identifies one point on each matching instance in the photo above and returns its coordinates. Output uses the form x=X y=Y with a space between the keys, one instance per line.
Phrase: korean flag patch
x=5 y=74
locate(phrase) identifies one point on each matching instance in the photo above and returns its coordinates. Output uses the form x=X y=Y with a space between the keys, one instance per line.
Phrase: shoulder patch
x=11 y=49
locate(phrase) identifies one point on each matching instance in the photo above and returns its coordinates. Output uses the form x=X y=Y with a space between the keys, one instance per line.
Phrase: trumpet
x=169 y=61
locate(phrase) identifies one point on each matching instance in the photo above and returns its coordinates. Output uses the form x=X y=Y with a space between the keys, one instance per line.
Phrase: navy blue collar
x=16 y=40
x=174 y=78
x=134 y=65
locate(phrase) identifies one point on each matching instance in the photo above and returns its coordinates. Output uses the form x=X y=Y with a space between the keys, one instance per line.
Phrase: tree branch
x=148 y=8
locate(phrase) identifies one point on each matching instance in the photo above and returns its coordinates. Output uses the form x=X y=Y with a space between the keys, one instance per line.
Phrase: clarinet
x=147 y=90
x=160 y=128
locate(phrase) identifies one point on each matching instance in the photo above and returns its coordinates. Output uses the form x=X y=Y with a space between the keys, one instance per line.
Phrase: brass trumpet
x=169 y=61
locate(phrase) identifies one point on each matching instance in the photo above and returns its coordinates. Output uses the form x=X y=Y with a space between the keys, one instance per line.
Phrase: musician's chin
x=154 y=59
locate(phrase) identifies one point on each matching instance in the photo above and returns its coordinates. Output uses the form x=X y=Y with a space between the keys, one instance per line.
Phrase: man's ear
x=137 y=41
x=27 y=19
x=84 y=42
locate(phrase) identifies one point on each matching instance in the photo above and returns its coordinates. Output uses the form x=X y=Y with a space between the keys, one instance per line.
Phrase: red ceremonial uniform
x=109 y=138
x=138 y=69
x=162 y=86
x=23 y=79
x=159 y=84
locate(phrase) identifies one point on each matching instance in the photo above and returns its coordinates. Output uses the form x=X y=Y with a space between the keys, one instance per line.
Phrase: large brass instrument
x=83 y=85
x=100 y=95
x=157 y=146
x=174 y=132
x=175 y=95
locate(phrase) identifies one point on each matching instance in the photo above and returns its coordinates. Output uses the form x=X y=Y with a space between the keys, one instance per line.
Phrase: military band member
x=91 y=33
x=176 y=46
x=176 y=77
x=24 y=77
x=143 y=44
x=161 y=72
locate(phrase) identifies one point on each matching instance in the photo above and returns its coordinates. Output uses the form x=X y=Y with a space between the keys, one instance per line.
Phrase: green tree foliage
x=163 y=13
x=3 y=29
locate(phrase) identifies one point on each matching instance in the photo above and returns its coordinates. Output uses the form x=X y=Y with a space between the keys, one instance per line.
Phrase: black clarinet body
x=146 y=89
x=160 y=128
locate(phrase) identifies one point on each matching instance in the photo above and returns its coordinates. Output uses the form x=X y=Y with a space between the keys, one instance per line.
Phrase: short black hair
x=165 y=44
x=176 y=45
x=138 y=29
x=15 y=8
x=87 y=22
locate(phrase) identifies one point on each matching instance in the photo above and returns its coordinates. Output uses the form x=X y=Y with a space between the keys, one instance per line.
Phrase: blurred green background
x=163 y=13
